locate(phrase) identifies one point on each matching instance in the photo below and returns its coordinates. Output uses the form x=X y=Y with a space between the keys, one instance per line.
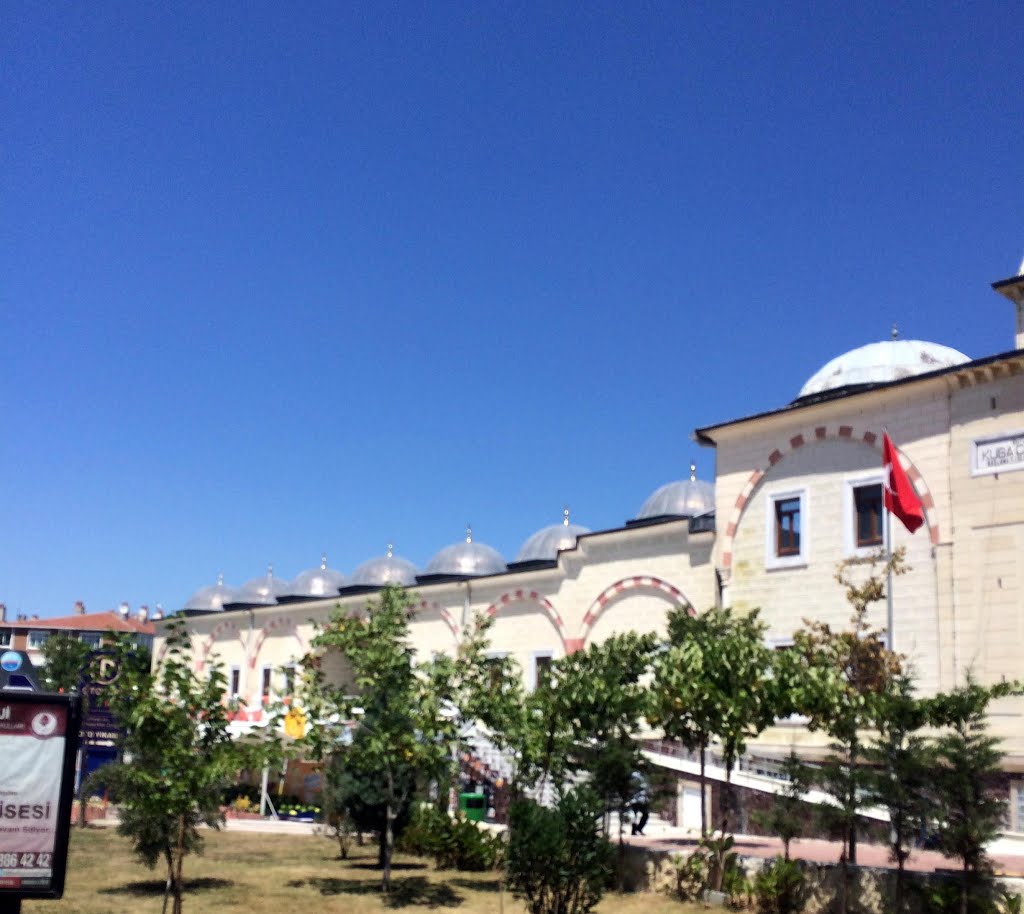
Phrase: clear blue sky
x=277 y=279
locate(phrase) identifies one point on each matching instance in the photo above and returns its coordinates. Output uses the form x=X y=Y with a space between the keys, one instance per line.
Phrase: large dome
x=467 y=558
x=880 y=363
x=317 y=582
x=547 y=542
x=262 y=591
x=385 y=569
x=213 y=597
x=683 y=498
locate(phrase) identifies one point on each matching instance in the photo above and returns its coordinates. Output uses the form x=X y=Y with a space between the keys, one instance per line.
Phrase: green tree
x=64 y=658
x=968 y=812
x=787 y=816
x=902 y=768
x=680 y=702
x=407 y=713
x=177 y=757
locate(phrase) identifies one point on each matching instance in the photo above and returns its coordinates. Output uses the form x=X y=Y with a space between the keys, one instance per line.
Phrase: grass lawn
x=284 y=874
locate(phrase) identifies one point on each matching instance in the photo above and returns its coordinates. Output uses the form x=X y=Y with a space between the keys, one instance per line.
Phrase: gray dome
x=262 y=591
x=386 y=569
x=684 y=498
x=467 y=558
x=213 y=597
x=879 y=363
x=317 y=582
x=547 y=542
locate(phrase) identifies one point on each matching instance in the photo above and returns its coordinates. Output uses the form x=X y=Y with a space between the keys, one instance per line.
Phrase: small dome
x=317 y=582
x=386 y=569
x=213 y=597
x=880 y=363
x=262 y=591
x=467 y=558
x=683 y=498
x=547 y=542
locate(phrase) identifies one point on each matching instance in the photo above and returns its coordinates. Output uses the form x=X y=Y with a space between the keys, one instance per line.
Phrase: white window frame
x=850 y=547
x=233 y=690
x=34 y=641
x=534 y=657
x=772 y=560
x=781 y=643
x=269 y=694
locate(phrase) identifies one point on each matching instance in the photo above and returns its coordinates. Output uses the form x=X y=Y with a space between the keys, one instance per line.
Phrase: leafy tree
x=65 y=657
x=902 y=770
x=787 y=816
x=558 y=860
x=968 y=813
x=177 y=757
x=680 y=703
x=408 y=713
x=837 y=678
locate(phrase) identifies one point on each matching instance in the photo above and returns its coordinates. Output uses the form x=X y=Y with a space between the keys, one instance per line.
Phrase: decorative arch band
x=637 y=582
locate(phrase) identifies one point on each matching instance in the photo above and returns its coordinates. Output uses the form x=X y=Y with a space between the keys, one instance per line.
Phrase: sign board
x=99 y=728
x=38 y=741
x=1001 y=454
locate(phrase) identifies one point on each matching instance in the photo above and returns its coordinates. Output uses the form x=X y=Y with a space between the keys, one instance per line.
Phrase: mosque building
x=797 y=489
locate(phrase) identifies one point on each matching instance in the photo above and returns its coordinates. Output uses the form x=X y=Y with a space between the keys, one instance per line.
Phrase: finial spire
x=323 y=561
x=565 y=516
x=270 y=571
x=693 y=472
x=895 y=331
x=469 y=533
x=391 y=550
x=220 y=578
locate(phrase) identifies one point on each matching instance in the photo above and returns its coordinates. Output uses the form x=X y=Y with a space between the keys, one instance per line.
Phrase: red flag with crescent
x=900 y=497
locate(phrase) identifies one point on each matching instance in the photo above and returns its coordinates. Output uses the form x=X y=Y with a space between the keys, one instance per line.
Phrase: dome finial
x=220 y=578
x=895 y=331
x=323 y=561
x=693 y=472
x=469 y=533
x=565 y=516
x=270 y=571
x=391 y=550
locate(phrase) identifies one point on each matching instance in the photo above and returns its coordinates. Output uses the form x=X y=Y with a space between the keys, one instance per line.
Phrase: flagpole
x=888 y=576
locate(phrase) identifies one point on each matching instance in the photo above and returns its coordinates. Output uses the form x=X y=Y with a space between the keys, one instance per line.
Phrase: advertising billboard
x=38 y=741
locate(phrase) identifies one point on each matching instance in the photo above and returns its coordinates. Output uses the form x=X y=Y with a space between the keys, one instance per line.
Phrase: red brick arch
x=228 y=625
x=612 y=594
x=538 y=600
x=872 y=439
x=279 y=625
x=446 y=616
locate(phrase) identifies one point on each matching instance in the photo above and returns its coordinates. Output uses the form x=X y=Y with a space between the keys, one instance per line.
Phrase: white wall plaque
x=998 y=455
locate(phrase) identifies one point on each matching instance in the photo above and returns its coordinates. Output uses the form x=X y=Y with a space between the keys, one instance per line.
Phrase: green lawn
x=245 y=873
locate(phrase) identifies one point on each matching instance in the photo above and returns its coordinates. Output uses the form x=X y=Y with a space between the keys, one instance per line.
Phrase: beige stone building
x=797 y=490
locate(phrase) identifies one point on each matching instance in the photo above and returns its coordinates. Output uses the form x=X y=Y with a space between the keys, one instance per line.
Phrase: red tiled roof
x=88 y=622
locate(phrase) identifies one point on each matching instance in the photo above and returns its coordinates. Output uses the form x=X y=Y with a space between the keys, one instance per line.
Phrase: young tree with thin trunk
x=177 y=757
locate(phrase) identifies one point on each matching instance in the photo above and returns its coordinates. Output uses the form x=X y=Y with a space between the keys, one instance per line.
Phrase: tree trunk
x=389 y=841
x=703 y=795
x=180 y=862
x=720 y=849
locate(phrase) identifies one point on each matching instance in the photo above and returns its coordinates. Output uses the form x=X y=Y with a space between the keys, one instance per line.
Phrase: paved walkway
x=1007 y=862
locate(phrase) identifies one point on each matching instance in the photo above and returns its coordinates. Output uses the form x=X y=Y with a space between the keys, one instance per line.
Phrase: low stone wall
x=870 y=887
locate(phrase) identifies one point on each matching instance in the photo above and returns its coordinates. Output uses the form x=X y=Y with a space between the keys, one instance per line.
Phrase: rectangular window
x=787 y=527
x=289 y=681
x=266 y=682
x=92 y=639
x=37 y=639
x=541 y=668
x=5 y=637
x=234 y=682
x=867 y=505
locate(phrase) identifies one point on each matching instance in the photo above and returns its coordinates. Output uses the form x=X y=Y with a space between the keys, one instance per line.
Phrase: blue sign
x=10 y=661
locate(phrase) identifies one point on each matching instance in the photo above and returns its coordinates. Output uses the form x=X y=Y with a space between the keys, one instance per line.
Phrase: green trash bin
x=473 y=806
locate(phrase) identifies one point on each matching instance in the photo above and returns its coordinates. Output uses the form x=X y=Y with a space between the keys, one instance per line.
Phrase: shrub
x=453 y=843
x=780 y=887
x=558 y=860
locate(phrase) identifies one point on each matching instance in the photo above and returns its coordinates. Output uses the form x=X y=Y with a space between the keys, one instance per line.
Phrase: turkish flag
x=900 y=497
